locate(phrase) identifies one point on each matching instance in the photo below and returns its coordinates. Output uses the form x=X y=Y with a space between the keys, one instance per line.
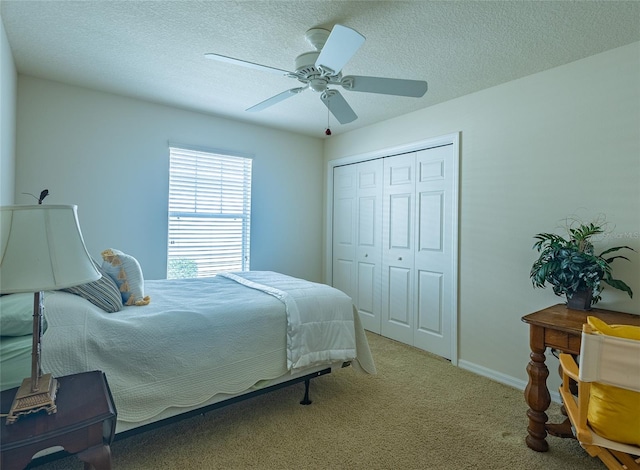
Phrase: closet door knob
x=366 y=255
x=400 y=258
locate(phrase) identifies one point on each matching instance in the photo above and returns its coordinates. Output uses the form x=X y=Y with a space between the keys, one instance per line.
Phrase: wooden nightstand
x=84 y=424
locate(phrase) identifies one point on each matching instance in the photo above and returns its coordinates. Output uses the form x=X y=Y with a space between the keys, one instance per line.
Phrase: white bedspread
x=319 y=318
x=201 y=337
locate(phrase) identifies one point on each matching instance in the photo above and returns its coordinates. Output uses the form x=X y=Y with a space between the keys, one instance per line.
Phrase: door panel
x=397 y=258
x=369 y=243
x=400 y=216
x=367 y=287
x=366 y=221
x=357 y=236
x=344 y=205
x=430 y=230
x=429 y=302
x=343 y=236
x=435 y=252
x=343 y=275
x=400 y=296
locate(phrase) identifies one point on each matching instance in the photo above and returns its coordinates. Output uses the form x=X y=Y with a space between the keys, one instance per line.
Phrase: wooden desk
x=559 y=328
x=84 y=424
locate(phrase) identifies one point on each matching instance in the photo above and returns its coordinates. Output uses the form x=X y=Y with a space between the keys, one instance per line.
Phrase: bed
x=197 y=343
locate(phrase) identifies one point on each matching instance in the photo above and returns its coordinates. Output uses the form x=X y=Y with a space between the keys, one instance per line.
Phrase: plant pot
x=580 y=300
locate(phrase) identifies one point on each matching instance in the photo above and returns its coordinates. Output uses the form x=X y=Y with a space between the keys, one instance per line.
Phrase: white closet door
x=344 y=229
x=397 y=260
x=369 y=243
x=434 y=252
x=398 y=248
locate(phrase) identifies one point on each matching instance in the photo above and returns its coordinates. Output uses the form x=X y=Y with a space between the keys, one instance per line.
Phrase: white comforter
x=201 y=337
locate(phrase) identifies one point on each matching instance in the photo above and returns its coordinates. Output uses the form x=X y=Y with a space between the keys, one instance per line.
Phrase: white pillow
x=125 y=270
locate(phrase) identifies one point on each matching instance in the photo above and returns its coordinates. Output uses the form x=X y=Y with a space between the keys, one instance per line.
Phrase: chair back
x=609 y=360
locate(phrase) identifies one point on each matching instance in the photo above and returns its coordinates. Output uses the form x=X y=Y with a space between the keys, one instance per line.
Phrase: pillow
x=16 y=314
x=614 y=412
x=103 y=293
x=125 y=270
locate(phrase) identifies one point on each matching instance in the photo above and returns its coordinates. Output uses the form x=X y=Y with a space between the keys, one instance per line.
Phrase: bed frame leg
x=305 y=400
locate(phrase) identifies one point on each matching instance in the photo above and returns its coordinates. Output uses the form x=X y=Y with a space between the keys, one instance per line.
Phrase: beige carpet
x=418 y=412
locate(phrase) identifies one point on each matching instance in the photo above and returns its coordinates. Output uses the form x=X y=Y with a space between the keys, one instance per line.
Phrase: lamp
x=41 y=248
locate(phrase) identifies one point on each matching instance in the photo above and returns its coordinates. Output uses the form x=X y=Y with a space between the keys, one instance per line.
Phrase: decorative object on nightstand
x=41 y=248
x=571 y=266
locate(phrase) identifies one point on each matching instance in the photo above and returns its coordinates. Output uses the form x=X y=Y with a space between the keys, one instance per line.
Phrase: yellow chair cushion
x=614 y=413
x=621 y=331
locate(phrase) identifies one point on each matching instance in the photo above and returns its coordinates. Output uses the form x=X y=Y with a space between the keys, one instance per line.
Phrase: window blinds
x=209 y=213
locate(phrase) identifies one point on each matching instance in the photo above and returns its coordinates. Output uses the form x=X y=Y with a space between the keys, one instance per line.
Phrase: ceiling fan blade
x=338 y=106
x=275 y=99
x=385 y=86
x=244 y=63
x=341 y=44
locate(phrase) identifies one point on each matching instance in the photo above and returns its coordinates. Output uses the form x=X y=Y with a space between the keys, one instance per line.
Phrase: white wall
x=8 y=81
x=109 y=155
x=533 y=152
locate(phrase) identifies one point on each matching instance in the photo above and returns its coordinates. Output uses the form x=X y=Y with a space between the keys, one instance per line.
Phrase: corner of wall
x=8 y=97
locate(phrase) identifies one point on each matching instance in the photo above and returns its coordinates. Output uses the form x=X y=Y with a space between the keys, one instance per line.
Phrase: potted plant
x=572 y=268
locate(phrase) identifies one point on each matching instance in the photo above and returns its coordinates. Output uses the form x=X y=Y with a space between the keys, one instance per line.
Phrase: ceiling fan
x=321 y=71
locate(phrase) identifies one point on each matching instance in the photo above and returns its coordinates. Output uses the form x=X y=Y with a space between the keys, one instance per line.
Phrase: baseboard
x=501 y=378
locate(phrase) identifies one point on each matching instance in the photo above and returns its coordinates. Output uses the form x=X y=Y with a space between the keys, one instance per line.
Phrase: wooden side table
x=560 y=328
x=84 y=424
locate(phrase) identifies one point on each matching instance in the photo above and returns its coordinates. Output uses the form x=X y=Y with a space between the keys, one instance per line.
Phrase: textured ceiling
x=154 y=50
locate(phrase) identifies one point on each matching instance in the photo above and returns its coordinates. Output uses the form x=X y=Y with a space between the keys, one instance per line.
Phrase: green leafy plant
x=570 y=264
x=182 y=268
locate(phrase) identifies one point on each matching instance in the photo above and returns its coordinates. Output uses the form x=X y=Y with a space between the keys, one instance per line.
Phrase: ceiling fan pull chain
x=328 y=130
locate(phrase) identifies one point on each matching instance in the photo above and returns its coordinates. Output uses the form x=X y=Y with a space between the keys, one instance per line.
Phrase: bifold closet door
x=434 y=251
x=395 y=244
x=418 y=298
x=344 y=229
x=357 y=236
x=369 y=243
x=398 y=211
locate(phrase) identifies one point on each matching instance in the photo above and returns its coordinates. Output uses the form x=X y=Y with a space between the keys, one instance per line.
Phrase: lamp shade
x=41 y=248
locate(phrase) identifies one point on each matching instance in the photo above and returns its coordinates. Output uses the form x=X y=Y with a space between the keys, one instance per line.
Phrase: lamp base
x=27 y=402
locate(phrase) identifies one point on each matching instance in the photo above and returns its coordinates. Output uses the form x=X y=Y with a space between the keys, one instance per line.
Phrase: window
x=209 y=213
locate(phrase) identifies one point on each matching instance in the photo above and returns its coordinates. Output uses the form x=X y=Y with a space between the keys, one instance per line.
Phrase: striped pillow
x=103 y=293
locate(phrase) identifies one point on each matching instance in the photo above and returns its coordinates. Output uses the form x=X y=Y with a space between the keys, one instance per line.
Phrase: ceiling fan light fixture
x=318 y=84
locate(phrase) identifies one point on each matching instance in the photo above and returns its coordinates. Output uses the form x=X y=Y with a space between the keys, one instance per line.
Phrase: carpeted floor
x=418 y=412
